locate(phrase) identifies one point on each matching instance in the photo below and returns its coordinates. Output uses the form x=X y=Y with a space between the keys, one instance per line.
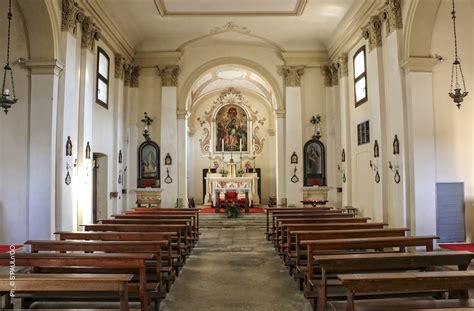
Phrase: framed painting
x=314 y=163
x=231 y=130
x=148 y=165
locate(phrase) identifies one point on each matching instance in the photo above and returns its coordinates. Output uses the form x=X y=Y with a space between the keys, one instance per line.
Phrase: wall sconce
x=343 y=156
x=75 y=162
x=343 y=172
x=68 y=146
x=294 y=158
x=168 y=159
x=374 y=166
x=88 y=151
x=168 y=178
x=294 y=179
x=395 y=167
x=120 y=159
x=68 y=179
x=147 y=121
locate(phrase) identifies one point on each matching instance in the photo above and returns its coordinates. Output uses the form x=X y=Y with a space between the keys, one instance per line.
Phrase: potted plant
x=232 y=210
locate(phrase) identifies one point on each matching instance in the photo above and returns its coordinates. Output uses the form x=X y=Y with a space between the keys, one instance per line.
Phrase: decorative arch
x=43 y=28
x=183 y=100
x=419 y=26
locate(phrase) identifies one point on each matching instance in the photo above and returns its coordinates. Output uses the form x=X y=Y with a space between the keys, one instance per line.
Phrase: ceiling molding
x=152 y=59
x=297 y=11
x=307 y=59
x=348 y=34
x=111 y=33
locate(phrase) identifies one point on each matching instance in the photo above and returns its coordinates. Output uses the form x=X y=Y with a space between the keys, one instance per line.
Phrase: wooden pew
x=181 y=231
x=117 y=263
x=350 y=263
x=360 y=244
x=167 y=253
x=406 y=282
x=60 y=283
x=269 y=211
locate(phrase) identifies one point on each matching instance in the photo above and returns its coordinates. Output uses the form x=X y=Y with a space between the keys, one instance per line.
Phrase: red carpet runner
x=459 y=247
x=6 y=248
x=253 y=210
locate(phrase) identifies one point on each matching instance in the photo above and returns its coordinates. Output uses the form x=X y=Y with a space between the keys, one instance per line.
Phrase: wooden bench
x=404 y=282
x=116 y=283
x=169 y=257
x=269 y=211
x=350 y=263
x=359 y=244
x=92 y=263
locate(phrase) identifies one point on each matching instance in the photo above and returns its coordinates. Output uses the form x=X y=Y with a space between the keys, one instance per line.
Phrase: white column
x=67 y=126
x=181 y=159
x=169 y=139
x=135 y=131
x=280 y=157
x=294 y=143
x=42 y=158
x=421 y=147
x=272 y=165
x=191 y=178
x=345 y=130
x=86 y=102
x=329 y=136
x=395 y=124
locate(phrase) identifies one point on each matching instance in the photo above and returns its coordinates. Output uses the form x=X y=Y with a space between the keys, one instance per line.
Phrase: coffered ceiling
x=170 y=25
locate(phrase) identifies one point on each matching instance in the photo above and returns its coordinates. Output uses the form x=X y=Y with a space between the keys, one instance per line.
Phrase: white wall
x=454 y=129
x=14 y=138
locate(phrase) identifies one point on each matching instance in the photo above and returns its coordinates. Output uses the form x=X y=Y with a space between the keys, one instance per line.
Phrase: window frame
x=360 y=77
x=100 y=77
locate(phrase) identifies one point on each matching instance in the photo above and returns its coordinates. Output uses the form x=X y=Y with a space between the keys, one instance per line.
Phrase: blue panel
x=450 y=225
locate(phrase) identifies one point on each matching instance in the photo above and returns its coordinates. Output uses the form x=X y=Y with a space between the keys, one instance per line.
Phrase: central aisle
x=234 y=269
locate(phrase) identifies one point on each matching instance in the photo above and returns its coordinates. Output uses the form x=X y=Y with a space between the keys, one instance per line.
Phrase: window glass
x=102 y=91
x=103 y=65
x=359 y=64
x=360 y=89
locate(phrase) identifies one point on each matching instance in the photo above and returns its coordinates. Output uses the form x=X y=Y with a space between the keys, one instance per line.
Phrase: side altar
x=246 y=183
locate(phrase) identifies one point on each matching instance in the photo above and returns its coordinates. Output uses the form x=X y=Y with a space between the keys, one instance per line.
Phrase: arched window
x=360 y=77
x=102 y=94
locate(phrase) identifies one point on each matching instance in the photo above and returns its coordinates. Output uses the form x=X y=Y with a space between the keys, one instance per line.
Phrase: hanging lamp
x=457 y=94
x=8 y=97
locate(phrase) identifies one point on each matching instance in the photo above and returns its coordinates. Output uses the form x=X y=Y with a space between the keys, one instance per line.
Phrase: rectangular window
x=102 y=95
x=363 y=133
x=360 y=77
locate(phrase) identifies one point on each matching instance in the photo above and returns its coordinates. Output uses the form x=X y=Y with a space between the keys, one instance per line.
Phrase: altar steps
x=220 y=221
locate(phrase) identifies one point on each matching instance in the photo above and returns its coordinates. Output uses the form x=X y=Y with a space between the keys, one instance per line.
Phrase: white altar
x=248 y=181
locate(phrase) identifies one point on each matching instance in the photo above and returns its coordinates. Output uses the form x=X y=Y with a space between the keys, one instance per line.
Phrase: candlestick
x=222 y=145
x=240 y=144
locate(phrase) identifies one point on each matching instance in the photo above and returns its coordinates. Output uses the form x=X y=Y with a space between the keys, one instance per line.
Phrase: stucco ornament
x=90 y=33
x=292 y=75
x=169 y=75
x=70 y=16
x=373 y=32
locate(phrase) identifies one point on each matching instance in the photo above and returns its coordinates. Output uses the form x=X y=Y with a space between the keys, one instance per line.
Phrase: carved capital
x=134 y=74
x=342 y=65
x=119 y=66
x=392 y=14
x=169 y=75
x=90 y=33
x=326 y=71
x=334 y=74
x=293 y=75
x=373 y=32
x=69 y=16
x=127 y=71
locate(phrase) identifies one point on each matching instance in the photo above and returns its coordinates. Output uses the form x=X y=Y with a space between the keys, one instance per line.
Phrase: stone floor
x=234 y=269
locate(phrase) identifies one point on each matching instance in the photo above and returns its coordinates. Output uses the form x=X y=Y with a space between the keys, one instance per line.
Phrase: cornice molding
x=156 y=58
x=418 y=64
x=44 y=66
x=307 y=59
x=347 y=35
x=111 y=33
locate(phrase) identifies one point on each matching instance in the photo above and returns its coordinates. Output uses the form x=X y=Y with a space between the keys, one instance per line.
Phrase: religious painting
x=231 y=129
x=314 y=163
x=148 y=165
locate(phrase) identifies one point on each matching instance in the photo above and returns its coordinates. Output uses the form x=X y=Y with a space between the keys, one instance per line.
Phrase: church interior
x=237 y=155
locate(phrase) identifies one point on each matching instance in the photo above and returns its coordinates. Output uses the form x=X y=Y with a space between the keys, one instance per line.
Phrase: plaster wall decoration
x=373 y=32
x=127 y=71
x=243 y=124
x=392 y=14
x=327 y=73
x=292 y=75
x=119 y=66
x=70 y=16
x=342 y=64
x=169 y=75
x=134 y=74
x=90 y=33
x=230 y=26
x=334 y=74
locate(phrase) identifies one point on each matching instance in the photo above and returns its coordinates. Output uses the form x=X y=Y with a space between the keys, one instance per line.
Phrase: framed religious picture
x=231 y=131
x=314 y=163
x=148 y=165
